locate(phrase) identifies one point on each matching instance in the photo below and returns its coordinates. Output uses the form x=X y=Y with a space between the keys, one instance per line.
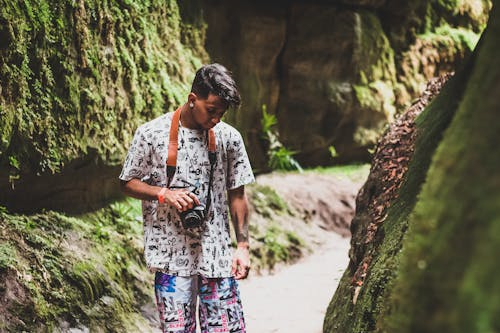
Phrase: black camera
x=193 y=218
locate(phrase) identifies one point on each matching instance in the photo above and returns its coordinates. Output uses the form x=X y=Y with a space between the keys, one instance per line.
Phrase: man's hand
x=241 y=262
x=182 y=200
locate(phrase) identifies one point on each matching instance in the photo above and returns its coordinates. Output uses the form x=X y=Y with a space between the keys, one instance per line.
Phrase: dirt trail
x=294 y=300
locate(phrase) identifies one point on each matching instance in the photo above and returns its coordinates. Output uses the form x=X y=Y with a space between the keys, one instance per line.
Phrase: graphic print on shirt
x=168 y=246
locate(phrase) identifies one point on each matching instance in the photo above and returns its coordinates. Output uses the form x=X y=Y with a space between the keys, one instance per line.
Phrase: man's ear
x=192 y=97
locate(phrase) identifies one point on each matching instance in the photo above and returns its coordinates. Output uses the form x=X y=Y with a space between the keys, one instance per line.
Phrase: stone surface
x=325 y=68
x=249 y=38
x=338 y=74
x=84 y=185
x=337 y=83
x=364 y=3
x=385 y=214
x=447 y=277
x=76 y=81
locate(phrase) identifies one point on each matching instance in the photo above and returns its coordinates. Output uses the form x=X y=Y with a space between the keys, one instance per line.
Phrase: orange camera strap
x=173 y=147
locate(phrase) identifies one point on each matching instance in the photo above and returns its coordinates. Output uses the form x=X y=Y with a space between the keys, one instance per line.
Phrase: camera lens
x=193 y=218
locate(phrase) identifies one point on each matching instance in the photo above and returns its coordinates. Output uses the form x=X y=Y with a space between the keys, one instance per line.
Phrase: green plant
x=277 y=249
x=333 y=151
x=122 y=214
x=100 y=232
x=7 y=256
x=279 y=245
x=294 y=239
x=279 y=157
x=282 y=159
x=267 y=202
x=268 y=120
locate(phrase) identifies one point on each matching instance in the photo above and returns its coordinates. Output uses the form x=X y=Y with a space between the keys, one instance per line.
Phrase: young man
x=185 y=210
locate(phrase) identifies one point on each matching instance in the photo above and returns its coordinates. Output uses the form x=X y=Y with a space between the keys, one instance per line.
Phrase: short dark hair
x=217 y=80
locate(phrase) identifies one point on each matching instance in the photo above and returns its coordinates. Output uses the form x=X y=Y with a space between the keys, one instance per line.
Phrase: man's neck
x=187 y=118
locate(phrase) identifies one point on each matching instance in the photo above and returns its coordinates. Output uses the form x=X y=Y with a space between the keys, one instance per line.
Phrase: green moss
x=377 y=98
x=448 y=264
x=455 y=38
x=374 y=89
x=344 y=316
x=433 y=38
x=373 y=52
x=71 y=274
x=8 y=255
x=88 y=280
x=267 y=202
x=88 y=73
x=355 y=172
x=439 y=50
x=275 y=245
x=470 y=14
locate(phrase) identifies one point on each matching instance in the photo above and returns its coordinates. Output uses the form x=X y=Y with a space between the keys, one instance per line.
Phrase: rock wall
x=335 y=72
x=328 y=98
x=76 y=79
x=421 y=261
x=249 y=39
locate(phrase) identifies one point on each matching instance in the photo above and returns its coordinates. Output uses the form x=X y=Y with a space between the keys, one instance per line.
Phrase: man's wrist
x=161 y=195
x=243 y=245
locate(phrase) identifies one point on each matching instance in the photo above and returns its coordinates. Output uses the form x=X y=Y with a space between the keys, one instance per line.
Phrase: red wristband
x=161 y=195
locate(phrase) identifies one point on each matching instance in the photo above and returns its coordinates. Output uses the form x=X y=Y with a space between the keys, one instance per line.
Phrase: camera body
x=193 y=218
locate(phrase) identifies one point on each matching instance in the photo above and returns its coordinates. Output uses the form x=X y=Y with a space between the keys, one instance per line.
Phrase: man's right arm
x=140 y=190
x=181 y=199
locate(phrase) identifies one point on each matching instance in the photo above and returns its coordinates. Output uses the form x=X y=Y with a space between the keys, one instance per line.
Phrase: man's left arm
x=238 y=206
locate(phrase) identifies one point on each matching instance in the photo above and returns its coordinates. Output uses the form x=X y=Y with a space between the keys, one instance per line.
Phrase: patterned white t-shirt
x=169 y=247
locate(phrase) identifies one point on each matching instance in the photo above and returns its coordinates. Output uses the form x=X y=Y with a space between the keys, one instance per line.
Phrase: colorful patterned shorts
x=220 y=304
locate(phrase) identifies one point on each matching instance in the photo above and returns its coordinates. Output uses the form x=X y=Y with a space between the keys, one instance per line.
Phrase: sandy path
x=294 y=300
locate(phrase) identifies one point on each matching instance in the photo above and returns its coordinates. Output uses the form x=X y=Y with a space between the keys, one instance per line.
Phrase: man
x=185 y=209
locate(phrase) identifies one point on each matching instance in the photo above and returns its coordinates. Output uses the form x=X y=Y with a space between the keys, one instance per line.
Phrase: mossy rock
x=433 y=54
x=63 y=272
x=78 y=77
x=447 y=265
x=338 y=87
x=431 y=259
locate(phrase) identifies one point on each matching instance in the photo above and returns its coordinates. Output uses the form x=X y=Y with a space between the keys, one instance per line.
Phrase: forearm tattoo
x=241 y=227
x=242 y=233
x=239 y=215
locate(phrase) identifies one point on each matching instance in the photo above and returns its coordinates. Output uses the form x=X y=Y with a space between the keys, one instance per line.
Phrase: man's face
x=208 y=112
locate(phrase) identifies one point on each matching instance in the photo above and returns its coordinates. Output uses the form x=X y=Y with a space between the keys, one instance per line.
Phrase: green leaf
x=268 y=120
x=14 y=162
